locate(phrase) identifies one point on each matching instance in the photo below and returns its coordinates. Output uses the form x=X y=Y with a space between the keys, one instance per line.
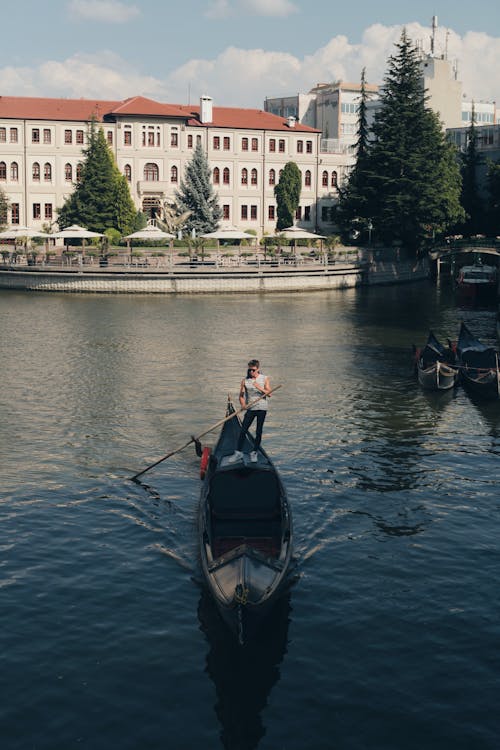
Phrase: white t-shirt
x=251 y=392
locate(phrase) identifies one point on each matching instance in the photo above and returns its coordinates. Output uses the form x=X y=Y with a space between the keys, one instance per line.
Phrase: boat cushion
x=240 y=494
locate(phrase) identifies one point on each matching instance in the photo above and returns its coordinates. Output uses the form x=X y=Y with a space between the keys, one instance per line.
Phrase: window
x=47 y=135
x=226 y=215
x=309 y=147
x=225 y=176
x=253 y=177
x=79 y=170
x=47 y=172
x=244 y=176
x=198 y=140
x=244 y=212
x=216 y=176
x=48 y=211
x=307 y=213
x=300 y=147
x=227 y=143
x=324 y=179
x=14 y=213
x=271 y=213
x=109 y=137
x=190 y=140
x=307 y=178
x=174 y=138
x=272 y=144
x=253 y=212
x=3 y=171
x=35 y=172
x=255 y=144
x=37 y=211
x=68 y=136
x=272 y=177
x=127 y=137
x=173 y=174
x=3 y=135
x=68 y=172
x=216 y=143
x=79 y=137
x=35 y=135
x=13 y=139
x=151 y=138
x=281 y=145
x=151 y=172
x=14 y=171
x=334 y=179
x=298 y=213
x=244 y=144
x=127 y=171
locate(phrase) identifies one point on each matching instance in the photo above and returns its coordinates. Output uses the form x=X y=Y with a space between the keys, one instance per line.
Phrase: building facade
x=42 y=143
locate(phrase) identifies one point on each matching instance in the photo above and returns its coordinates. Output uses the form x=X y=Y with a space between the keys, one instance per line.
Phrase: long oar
x=194 y=439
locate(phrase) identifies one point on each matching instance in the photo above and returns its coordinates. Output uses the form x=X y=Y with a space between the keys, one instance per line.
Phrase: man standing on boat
x=254 y=385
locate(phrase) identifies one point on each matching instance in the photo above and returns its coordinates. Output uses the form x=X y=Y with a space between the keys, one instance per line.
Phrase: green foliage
x=493 y=209
x=4 y=209
x=101 y=199
x=287 y=193
x=196 y=194
x=408 y=182
x=470 y=198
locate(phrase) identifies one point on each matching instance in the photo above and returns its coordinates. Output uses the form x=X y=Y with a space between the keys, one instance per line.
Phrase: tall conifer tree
x=471 y=201
x=197 y=195
x=287 y=193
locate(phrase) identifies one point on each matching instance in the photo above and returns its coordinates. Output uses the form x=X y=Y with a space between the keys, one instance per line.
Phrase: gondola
x=245 y=532
x=477 y=283
x=435 y=365
x=479 y=371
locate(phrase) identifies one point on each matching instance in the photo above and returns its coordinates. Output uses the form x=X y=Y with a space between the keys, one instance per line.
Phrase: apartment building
x=42 y=142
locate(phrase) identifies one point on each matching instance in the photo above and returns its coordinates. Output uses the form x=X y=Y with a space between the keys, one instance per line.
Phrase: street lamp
x=370 y=227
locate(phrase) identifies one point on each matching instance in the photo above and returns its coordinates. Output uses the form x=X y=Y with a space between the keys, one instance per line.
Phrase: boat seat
x=246 y=528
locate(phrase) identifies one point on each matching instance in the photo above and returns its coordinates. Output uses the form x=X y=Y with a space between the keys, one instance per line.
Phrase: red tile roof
x=82 y=110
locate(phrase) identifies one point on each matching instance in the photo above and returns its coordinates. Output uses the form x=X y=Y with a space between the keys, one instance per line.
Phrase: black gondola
x=245 y=532
x=479 y=369
x=436 y=365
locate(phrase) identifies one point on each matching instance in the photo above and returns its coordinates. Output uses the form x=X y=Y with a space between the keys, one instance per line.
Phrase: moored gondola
x=479 y=370
x=245 y=532
x=436 y=365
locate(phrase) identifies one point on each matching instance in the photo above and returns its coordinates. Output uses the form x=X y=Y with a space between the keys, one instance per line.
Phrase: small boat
x=479 y=371
x=245 y=531
x=477 y=283
x=436 y=365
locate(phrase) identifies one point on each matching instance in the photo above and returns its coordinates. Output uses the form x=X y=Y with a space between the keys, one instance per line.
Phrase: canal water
x=389 y=638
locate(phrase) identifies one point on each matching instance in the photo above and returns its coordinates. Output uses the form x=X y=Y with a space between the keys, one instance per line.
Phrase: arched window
x=3 y=170
x=151 y=172
x=244 y=176
x=225 y=176
x=253 y=177
x=47 y=172
x=35 y=171
x=14 y=171
x=216 y=176
x=173 y=174
x=68 y=172
x=307 y=178
x=334 y=179
x=79 y=170
x=3 y=135
x=324 y=179
x=272 y=177
x=127 y=171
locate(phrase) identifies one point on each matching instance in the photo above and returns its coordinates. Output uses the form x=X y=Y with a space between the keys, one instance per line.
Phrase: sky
x=237 y=51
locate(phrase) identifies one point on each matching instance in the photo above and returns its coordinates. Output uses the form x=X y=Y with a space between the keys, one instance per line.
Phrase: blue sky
x=238 y=51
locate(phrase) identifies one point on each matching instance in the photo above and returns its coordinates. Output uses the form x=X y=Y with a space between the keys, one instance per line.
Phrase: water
x=389 y=638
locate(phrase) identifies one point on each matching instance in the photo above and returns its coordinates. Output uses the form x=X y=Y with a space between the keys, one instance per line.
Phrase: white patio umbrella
x=76 y=232
x=20 y=232
x=150 y=233
x=297 y=233
x=231 y=233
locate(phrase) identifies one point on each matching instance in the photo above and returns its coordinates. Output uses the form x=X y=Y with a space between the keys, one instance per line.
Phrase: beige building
x=42 y=142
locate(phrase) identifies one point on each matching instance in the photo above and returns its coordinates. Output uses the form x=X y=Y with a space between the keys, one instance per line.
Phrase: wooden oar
x=213 y=427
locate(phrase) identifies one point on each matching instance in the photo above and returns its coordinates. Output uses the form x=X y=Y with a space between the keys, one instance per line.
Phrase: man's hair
x=254 y=363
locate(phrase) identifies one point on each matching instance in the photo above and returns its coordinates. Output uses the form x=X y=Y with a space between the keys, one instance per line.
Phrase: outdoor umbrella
x=230 y=233
x=23 y=233
x=76 y=232
x=151 y=232
x=296 y=233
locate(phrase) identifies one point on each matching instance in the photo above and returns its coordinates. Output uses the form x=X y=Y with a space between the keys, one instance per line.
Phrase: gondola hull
x=245 y=534
x=435 y=366
x=479 y=370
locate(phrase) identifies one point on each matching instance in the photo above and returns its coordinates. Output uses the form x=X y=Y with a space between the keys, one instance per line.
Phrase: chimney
x=290 y=121
x=206 y=106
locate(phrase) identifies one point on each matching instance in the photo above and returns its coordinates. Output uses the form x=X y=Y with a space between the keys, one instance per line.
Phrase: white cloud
x=110 y=11
x=280 y=8
x=218 y=9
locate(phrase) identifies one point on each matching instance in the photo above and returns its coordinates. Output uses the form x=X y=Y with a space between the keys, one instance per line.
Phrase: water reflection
x=243 y=675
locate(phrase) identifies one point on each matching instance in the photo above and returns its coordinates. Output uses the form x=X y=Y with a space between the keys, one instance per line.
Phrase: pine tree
x=101 y=199
x=287 y=193
x=4 y=208
x=471 y=201
x=197 y=196
x=494 y=199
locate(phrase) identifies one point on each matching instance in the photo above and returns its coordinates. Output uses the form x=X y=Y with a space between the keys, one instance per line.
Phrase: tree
x=470 y=199
x=101 y=198
x=287 y=193
x=196 y=196
x=4 y=209
x=411 y=177
x=493 y=184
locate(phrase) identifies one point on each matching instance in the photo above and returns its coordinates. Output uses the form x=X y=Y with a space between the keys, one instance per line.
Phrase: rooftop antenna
x=433 y=37
x=446 y=45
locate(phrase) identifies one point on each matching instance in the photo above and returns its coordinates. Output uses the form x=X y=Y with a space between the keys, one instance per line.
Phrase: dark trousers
x=259 y=415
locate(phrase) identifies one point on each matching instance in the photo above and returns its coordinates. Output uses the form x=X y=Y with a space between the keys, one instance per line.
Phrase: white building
x=41 y=142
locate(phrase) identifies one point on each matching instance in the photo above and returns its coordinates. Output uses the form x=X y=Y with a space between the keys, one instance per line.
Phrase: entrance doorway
x=151 y=207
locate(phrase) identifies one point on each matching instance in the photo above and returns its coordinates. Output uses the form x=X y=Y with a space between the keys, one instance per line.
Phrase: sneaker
x=253 y=457
x=237 y=456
